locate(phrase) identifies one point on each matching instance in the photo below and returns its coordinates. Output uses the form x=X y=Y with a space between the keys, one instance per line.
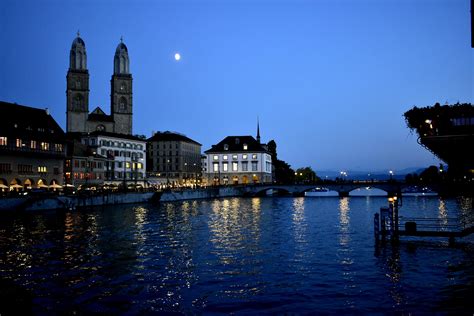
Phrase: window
x=3 y=141
x=24 y=169
x=5 y=168
x=224 y=157
x=18 y=142
x=235 y=166
x=226 y=147
x=235 y=157
x=33 y=144
x=83 y=164
x=58 y=147
x=254 y=156
x=225 y=167
x=216 y=157
x=42 y=169
x=76 y=163
x=44 y=146
x=245 y=147
x=244 y=157
x=245 y=166
x=254 y=166
x=216 y=166
x=268 y=166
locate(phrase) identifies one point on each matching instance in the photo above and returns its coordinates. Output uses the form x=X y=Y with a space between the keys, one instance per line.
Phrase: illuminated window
x=42 y=169
x=216 y=166
x=225 y=167
x=44 y=146
x=226 y=147
x=244 y=156
x=33 y=144
x=216 y=157
x=224 y=157
x=58 y=147
x=245 y=147
x=3 y=141
x=254 y=156
x=235 y=166
x=127 y=165
x=234 y=157
x=18 y=142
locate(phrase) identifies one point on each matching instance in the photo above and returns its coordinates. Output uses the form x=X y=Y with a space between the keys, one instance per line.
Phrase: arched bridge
x=342 y=189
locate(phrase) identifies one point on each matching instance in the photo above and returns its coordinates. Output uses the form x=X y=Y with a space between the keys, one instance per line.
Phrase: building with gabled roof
x=32 y=148
x=238 y=160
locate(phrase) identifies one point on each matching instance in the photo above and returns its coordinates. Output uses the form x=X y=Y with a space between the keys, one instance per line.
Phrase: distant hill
x=365 y=175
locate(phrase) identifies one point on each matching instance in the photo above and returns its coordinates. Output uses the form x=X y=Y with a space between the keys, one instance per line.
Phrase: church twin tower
x=78 y=117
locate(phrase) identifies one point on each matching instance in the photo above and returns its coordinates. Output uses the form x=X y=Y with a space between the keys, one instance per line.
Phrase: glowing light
x=177 y=56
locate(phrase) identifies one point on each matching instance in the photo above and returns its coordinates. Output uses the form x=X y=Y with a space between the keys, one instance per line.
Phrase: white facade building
x=238 y=160
x=125 y=155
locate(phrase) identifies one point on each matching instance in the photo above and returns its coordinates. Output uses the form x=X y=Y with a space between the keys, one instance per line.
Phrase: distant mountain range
x=365 y=175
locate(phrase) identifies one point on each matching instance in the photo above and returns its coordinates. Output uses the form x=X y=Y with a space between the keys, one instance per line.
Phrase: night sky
x=329 y=80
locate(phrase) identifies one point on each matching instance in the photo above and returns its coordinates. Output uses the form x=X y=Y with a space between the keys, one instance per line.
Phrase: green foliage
x=306 y=175
x=439 y=115
x=283 y=172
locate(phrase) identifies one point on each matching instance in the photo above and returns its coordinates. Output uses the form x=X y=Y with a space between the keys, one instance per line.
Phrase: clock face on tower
x=122 y=87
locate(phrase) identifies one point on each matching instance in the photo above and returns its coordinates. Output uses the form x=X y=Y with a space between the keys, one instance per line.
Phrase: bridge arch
x=362 y=191
x=319 y=190
x=263 y=191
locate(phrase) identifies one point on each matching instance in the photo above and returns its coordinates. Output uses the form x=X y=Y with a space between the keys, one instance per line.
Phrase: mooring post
x=383 y=219
x=376 y=227
x=390 y=219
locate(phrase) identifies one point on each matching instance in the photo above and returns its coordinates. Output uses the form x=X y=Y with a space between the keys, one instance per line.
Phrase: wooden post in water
x=376 y=227
x=383 y=219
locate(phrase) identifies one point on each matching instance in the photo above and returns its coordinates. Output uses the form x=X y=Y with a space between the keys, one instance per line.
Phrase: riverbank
x=53 y=202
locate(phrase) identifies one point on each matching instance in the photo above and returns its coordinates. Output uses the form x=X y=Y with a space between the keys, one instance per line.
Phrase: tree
x=282 y=172
x=306 y=175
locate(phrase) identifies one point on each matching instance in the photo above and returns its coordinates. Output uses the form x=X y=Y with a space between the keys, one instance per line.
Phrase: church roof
x=236 y=144
x=171 y=137
x=98 y=115
x=116 y=135
x=20 y=120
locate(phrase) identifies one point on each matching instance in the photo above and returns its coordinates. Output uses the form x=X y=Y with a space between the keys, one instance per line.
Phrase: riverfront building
x=83 y=166
x=32 y=148
x=238 y=160
x=125 y=156
x=173 y=159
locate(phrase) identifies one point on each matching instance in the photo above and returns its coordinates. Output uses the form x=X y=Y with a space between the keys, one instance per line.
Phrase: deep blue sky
x=329 y=80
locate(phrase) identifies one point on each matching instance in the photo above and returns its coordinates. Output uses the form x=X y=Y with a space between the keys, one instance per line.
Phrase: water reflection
x=234 y=255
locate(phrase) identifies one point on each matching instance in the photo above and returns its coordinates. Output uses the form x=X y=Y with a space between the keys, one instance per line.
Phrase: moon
x=177 y=56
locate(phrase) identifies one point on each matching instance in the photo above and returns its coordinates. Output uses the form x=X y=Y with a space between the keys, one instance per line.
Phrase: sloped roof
x=21 y=120
x=170 y=136
x=99 y=115
x=236 y=144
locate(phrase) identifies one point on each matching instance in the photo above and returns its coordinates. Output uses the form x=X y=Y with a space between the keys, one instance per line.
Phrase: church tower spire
x=77 y=93
x=121 y=91
x=258 y=131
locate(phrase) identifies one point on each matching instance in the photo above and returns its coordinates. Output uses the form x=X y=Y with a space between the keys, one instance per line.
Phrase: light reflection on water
x=252 y=255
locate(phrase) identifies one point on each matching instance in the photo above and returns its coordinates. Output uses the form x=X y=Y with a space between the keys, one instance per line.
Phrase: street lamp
x=391 y=175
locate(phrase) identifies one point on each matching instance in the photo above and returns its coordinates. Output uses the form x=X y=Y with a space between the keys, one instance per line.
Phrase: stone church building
x=79 y=120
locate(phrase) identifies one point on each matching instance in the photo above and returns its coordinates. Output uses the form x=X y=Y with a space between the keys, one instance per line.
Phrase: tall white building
x=126 y=160
x=238 y=160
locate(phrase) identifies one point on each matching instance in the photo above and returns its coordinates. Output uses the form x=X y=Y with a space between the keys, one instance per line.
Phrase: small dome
x=77 y=41
x=121 y=48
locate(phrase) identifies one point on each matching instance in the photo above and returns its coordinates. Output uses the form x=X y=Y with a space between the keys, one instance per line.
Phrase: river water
x=240 y=255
